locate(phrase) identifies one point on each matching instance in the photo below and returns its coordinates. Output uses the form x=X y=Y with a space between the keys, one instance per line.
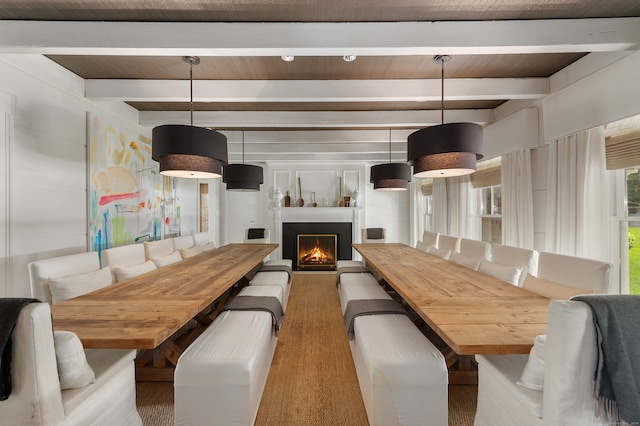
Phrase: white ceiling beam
x=319 y=39
x=418 y=90
x=313 y=119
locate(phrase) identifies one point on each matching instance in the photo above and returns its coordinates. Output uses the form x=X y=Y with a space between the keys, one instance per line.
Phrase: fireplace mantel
x=315 y=214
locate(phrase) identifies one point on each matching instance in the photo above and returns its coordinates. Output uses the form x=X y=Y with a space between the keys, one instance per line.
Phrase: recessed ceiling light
x=349 y=58
x=288 y=58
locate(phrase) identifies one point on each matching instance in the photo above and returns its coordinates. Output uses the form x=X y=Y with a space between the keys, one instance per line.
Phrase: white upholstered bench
x=274 y=278
x=403 y=377
x=221 y=376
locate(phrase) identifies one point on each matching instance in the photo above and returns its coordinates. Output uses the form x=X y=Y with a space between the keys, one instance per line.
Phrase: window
x=426 y=187
x=490 y=213
x=622 y=146
x=486 y=183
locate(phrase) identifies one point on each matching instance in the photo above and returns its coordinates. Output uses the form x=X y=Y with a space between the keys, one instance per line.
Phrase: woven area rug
x=312 y=380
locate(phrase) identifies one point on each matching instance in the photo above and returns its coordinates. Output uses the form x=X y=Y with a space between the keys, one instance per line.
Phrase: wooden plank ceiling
x=500 y=50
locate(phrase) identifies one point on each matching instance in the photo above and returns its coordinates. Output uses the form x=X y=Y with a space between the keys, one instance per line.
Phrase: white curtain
x=577 y=196
x=517 y=200
x=463 y=220
x=418 y=212
x=439 y=210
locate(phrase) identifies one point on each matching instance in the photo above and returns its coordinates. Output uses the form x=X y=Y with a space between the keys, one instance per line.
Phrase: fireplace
x=317 y=251
x=338 y=232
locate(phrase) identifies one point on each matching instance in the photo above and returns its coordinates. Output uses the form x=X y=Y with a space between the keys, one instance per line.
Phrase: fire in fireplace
x=317 y=251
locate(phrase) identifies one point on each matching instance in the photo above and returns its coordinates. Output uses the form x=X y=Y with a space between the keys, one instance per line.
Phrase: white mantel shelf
x=315 y=214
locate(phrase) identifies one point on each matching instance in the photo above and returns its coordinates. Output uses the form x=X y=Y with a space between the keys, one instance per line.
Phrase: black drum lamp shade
x=242 y=177
x=445 y=150
x=189 y=151
x=390 y=176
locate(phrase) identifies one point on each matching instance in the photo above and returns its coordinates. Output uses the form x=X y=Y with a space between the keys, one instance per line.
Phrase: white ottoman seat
x=283 y=262
x=403 y=377
x=221 y=376
x=273 y=278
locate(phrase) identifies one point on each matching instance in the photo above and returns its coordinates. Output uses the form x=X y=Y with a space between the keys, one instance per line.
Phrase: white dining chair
x=576 y=272
x=526 y=259
x=446 y=242
x=474 y=248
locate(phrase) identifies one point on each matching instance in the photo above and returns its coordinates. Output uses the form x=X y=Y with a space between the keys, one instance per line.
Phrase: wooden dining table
x=473 y=313
x=143 y=312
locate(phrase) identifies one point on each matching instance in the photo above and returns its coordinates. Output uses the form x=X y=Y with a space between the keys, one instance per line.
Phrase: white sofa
x=37 y=398
x=41 y=271
x=569 y=364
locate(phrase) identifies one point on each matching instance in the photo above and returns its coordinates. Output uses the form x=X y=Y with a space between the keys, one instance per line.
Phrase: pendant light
x=242 y=177
x=390 y=176
x=445 y=150
x=188 y=151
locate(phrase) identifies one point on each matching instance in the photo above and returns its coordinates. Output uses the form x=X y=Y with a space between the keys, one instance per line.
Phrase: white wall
x=44 y=181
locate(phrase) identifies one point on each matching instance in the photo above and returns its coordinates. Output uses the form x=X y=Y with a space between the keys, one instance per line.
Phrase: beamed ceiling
x=506 y=55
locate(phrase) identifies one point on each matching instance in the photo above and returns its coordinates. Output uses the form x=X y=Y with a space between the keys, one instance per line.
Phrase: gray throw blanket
x=617 y=377
x=258 y=303
x=356 y=308
x=10 y=308
x=277 y=268
x=350 y=270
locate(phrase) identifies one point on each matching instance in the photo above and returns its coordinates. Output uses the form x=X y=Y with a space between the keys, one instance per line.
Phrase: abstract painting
x=129 y=201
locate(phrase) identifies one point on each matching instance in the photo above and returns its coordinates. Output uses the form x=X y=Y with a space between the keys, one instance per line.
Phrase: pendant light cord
x=442 y=93
x=243 y=147
x=191 y=89
x=389 y=144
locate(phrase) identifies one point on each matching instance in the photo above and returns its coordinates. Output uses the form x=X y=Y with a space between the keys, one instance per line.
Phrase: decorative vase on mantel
x=355 y=198
x=287 y=200
x=277 y=195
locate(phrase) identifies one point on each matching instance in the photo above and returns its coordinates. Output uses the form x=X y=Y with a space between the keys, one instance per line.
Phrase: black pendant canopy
x=390 y=176
x=445 y=150
x=242 y=177
x=189 y=151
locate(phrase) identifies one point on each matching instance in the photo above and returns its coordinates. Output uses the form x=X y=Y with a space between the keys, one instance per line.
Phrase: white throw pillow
x=73 y=369
x=509 y=274
x=190 y=252
x=63 y=288
x=167 y=260
x=533 y=372
x=125 y=272
x=552 y=290
x=445 y=254
x=466 y=261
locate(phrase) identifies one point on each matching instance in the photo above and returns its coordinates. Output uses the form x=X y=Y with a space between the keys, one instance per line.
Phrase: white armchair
x=265 y=240
x=567 y=373
x=374 y=235
x=37 y=397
